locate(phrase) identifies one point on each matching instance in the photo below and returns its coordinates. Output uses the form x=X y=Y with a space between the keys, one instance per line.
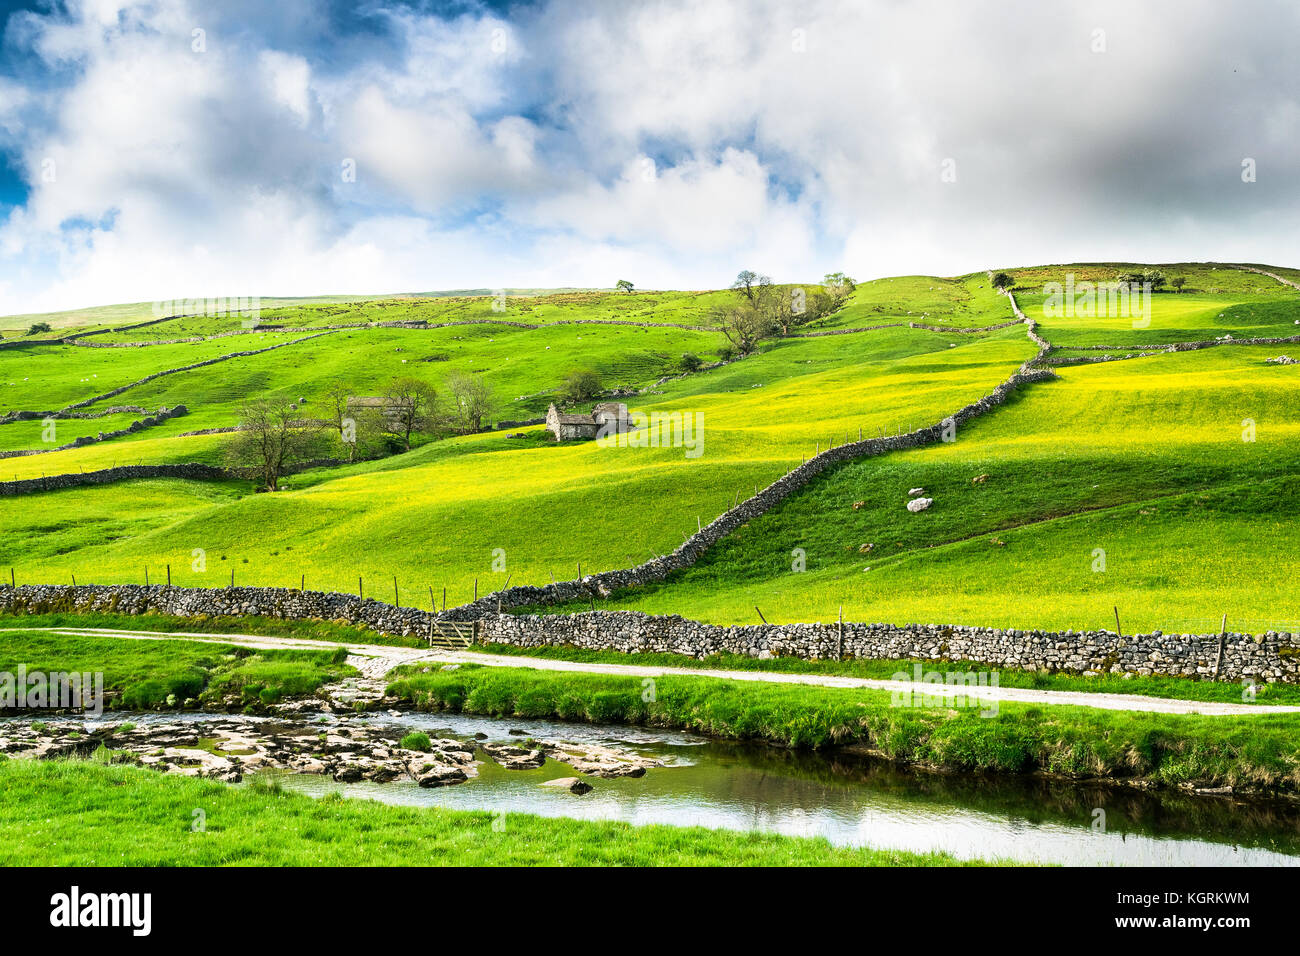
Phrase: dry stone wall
x=162 y=415
x=1268 y=658
x=1271 y=657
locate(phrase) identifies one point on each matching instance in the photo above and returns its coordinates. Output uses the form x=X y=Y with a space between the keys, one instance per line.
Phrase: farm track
x=375 y=660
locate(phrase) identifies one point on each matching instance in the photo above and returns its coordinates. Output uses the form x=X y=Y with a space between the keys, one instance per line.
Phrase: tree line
x=762 y=310
x=276 y=433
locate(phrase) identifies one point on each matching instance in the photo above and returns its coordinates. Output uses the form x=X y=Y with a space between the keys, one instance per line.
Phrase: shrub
x=691 y=362
x=417 y=740
x=580 y=385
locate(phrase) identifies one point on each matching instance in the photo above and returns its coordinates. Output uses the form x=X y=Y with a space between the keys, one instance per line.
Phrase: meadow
x=1142 y=459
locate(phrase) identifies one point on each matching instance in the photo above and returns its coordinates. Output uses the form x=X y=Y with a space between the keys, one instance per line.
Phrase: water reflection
x=851 y=800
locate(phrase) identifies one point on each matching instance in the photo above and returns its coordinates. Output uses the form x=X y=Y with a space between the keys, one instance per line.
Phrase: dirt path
x=375 y=660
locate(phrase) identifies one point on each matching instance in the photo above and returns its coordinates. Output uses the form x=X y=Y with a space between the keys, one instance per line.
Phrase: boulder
x=572 y=784
x=440 y=775
x=919 y=504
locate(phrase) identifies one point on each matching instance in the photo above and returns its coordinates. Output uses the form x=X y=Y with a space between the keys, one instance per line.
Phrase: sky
x=165 y=149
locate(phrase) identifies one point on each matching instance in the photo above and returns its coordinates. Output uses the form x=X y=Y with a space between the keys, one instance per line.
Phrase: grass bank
x=80 y=813
x=1172 y=688
x=148 y=674
x=1256 y=753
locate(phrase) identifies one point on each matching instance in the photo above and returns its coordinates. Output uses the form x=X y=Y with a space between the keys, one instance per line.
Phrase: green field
x=1143 y=459
x=142 y=818
x=144 y=674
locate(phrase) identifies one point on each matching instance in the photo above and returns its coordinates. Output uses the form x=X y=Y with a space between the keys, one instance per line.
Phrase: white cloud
x=513 y=151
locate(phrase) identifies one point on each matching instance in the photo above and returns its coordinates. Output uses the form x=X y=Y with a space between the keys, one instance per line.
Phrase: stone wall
x=194 y=470
x=108 y=475
x=606 y=583
x=162 y=415
x=1271 y=657
x=1268 y=658
x=187 y=368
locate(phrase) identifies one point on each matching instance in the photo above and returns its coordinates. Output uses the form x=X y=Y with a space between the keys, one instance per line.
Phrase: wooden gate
x=454 y=635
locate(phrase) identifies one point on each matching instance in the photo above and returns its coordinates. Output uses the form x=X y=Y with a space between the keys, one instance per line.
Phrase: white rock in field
x=913 y=492
x=919 y=504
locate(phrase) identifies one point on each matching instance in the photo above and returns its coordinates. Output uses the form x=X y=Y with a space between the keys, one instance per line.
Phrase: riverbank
x=80 y=813
x=1256 y=754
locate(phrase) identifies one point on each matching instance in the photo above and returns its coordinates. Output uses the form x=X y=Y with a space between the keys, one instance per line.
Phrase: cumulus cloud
x=280 y=151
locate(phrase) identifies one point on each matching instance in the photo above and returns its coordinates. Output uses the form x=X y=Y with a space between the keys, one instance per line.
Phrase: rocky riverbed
x=343 y=747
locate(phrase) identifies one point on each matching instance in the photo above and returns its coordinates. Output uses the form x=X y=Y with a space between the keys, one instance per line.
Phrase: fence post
x=1223 y=637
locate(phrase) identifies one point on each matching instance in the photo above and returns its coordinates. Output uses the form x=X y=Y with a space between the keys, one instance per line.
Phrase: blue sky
x=154 y=149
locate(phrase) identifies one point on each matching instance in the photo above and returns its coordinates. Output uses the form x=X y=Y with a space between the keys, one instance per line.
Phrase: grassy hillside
x=1143 y=459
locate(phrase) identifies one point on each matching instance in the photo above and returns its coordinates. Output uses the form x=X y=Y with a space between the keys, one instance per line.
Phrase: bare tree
x=270 y=439
x=750 y=284
x=412 y=408
x=337 y=405
x=471 y=401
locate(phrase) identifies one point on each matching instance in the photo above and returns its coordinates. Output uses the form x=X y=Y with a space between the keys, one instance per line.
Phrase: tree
x=1178 y=282
x=744 y=324
x=39 y=327
x=337 y=406
x=838 y=286
x=471 y=401
x=1154 y=276
x=1003 y=282
x=750 y=284
x=579 y=385
x=412 y=408
x=360 y=427
x=270 y=438
x=624 y=286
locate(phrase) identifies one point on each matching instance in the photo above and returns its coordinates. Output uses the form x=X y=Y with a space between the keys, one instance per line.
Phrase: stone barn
x=606 y=418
